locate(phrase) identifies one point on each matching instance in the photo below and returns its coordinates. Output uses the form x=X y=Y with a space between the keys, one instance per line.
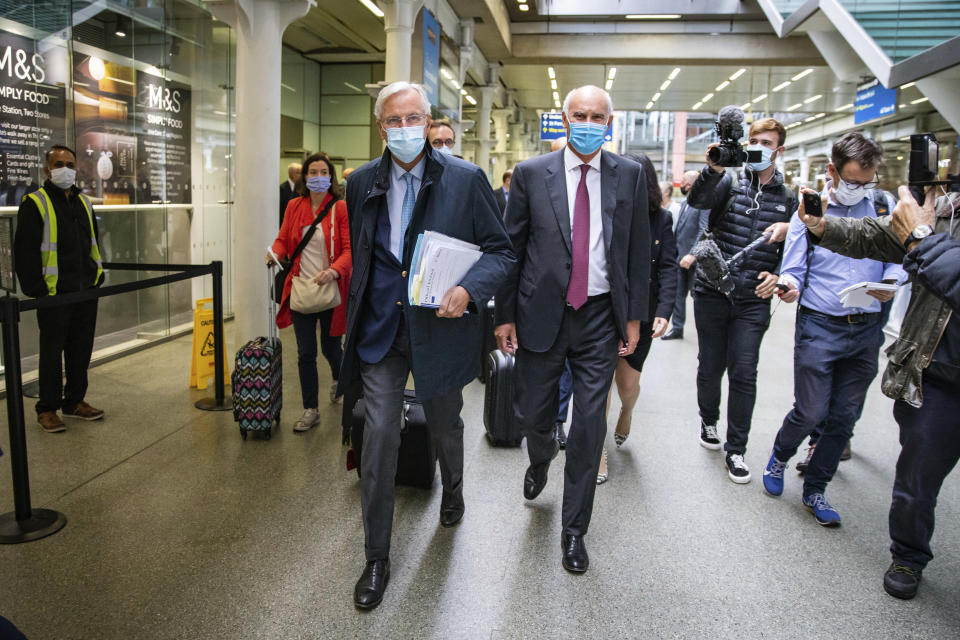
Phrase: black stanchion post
x=25 y=523
x=219 y=402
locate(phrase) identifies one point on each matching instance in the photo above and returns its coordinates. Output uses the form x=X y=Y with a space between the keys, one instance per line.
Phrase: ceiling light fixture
x=812 y=98
x=674 y=73
x=446 y=73
x=759 y=98
x=653 y=16
x=737 y=74
x=802 y=74
x=551 y=73
x=846 y=106
x=810 y=119
x=696 y=106
x=707 y=97
x=919 y=100
x=553 y=84
x=663 y=87
x=556 y=96
x=523 y=7
x=374 y=9
x=608 y=85
x=649 y=104
x=723 y=85
x=463 y=92
x=819 y=115
x=557 y=105
x=745 y=106
x=908 y=85
x=781 y=86
x=794 y=107
x=655 y=97
x=471 y=99
x=123 y=27
x=612 y=73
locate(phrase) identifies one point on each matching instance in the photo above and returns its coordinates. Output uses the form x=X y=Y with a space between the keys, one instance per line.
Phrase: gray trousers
x=383 y=385
x=588 y=341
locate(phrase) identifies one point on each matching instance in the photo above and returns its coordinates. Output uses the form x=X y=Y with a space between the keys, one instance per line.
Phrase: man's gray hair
x=398 y=87
x=566 y=101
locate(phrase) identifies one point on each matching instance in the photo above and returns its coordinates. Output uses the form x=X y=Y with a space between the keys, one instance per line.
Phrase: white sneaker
x=309 y=418
x=333 y=392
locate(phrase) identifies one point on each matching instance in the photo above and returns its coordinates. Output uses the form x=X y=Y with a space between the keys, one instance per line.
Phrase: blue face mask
x=766 y=154
x=444 y=149
x=318 y=184
x=405 y=143
x=586 y=137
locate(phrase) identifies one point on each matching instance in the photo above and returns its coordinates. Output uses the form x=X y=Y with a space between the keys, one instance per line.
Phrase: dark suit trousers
x=383 y=385
x=66 y=332
x=685 y=279
x=588 y=340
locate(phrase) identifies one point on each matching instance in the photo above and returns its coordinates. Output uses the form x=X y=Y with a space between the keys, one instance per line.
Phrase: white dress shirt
x=597 y=281
x=395 y=194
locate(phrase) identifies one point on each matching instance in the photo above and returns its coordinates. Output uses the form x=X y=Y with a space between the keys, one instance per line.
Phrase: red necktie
x=577 y=289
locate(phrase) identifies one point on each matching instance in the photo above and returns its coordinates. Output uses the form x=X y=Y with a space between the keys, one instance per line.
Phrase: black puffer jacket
x=736 y=221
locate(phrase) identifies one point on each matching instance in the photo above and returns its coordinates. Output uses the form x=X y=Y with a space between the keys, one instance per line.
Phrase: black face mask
x=684 y=191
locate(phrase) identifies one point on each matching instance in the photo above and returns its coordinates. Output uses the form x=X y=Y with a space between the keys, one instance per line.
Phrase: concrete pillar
x=399 y=17
x=259 y=27
x=500 y=128
x=804 y=176
x=487 y=94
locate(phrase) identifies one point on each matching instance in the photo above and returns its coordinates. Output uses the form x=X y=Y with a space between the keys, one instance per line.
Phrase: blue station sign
x=874 y=101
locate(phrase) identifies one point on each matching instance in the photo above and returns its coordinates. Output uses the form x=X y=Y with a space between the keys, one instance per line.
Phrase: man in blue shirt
x=835 y=353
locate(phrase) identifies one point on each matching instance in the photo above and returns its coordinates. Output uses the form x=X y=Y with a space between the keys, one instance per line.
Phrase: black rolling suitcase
x=417 y=459
x=498 y=416
x=488 y=341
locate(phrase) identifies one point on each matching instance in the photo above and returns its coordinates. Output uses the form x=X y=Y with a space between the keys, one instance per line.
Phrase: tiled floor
x=178 y=529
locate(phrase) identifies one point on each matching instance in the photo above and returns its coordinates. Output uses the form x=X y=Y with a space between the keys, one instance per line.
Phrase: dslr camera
x=923 y=169
x=729 y=152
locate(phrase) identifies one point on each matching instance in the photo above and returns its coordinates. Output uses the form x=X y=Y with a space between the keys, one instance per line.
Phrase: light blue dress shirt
x=398 y=188
x=831 y=272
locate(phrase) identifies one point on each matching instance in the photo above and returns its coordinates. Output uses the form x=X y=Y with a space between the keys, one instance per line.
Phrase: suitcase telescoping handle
x=272 y=332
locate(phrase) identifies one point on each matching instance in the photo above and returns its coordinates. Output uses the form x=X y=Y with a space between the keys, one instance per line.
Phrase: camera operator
x=923 y=371
x=836 y=347
x=730 y=328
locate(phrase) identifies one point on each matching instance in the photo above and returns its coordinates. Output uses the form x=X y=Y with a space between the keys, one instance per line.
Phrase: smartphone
x=782 y=288
x=812 y=205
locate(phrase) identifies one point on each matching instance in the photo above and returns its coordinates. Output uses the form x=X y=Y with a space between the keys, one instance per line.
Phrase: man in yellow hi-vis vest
x=56 y=252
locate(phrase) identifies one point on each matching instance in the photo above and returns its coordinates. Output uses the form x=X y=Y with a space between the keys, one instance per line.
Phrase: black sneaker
x=901 y=581
x=708 y=436
x=737 y=469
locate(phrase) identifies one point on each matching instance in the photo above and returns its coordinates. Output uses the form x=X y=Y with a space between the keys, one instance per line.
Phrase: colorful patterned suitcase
x=257 y=380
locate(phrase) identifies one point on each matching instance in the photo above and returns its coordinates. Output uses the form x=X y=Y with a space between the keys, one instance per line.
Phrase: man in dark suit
x=690 y=225
x=288 y=190
x=579 y=226
x=503 y=193
x=411 y=189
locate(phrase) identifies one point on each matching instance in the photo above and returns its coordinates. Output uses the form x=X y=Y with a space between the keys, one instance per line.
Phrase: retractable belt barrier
x=25 y=523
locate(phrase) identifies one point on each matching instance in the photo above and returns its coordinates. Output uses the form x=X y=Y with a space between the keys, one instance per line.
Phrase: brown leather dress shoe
x=50 y=422
x=83 y=411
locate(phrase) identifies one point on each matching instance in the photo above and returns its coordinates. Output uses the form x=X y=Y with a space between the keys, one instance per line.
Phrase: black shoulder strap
x=312 y=229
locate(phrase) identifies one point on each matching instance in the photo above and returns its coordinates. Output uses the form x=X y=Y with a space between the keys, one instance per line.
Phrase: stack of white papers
x=439 y=263
x=856 y=295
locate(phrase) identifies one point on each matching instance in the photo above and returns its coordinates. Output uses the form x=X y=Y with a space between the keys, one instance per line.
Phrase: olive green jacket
x=927 y=315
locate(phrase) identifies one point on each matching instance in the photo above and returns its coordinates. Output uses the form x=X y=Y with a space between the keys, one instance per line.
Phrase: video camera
x=729 y=128
x=923 y=169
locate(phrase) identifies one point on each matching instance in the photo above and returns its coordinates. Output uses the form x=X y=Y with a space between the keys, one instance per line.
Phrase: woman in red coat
x=325 y=257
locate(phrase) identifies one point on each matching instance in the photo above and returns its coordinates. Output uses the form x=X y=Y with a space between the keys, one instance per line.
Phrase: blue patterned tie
x=406 y=211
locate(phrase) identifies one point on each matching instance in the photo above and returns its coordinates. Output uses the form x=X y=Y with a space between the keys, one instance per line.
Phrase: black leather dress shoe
x=535 y=479
x=560 y=435
x=673 y=334
x=451 y=510
x=575 y=558
x=372 y=583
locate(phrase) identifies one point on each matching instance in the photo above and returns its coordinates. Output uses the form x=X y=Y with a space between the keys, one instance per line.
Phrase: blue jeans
x=305 y=328
x=834 y=363
x=930 y=447
x=565 y=391
x=729 y=336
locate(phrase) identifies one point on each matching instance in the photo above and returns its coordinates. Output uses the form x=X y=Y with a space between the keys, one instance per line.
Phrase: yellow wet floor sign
x=202 y=361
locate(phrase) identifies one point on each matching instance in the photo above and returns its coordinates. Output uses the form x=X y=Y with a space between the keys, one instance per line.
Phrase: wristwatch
x=919 y=232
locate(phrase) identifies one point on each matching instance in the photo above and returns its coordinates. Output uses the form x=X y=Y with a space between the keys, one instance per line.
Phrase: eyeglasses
x=866 y=185
x=440 y=142
x=412 y=120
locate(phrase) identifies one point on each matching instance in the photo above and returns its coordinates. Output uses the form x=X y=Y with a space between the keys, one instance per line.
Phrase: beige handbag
x=306 y=296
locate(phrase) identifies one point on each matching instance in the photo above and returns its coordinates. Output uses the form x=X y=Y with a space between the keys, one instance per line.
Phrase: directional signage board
x=551 y=127
x=874 y=101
